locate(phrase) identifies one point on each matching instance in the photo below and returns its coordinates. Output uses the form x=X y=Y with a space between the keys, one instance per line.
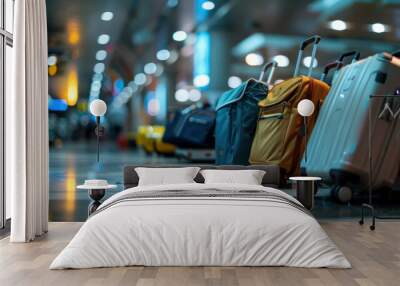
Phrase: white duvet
x=200 y=231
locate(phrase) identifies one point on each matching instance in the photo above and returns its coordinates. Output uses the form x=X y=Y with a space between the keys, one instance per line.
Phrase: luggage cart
x=395 y=116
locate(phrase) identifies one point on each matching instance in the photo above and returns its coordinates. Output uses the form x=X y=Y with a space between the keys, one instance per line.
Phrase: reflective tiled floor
x=72 y=164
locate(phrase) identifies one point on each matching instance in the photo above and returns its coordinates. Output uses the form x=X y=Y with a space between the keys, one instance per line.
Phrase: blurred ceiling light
x=96 y=86
x=140 y=79
x=101 y=55
x=201 y=80
x=55 y=104
x=254 y=59
x=51 y=60
x=97 y=77
x=126 y=95
x=150 y=68
x=379 y=28
x=163 y=55
x=234 y=81
x=307 y=62
x=103 y=39
x=194 y=95
x=281 y=60
x=99 y=68
x=160 y=70
x=73 y=32
x=133 y=86
x=72 y=86
x=117 y=102
x=118 y=86
x=123 y=95
x=172 y=3
x=173 y=57
x=107 y=16
x=182 y=95
x=94 y=94
x=128 y=90
x=153 y=107
x=179 y=36
x=52 y=70
x=208 y=5
x=338 y=25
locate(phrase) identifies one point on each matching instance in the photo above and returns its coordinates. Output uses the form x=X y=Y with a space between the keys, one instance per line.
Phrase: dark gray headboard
x=271 y=177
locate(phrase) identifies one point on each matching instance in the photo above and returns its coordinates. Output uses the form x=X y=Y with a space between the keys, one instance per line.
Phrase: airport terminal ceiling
x=139 y=29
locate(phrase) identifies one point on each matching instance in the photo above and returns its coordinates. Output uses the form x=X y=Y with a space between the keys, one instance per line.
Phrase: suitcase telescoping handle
x=354 y=54
x=330 y=66
x=312 y=40
x=271 y=65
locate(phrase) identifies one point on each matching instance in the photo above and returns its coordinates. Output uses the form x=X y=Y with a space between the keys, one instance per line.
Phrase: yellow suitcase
x=153 y=141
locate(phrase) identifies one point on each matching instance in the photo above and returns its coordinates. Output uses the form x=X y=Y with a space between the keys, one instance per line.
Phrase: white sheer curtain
x=26 y=124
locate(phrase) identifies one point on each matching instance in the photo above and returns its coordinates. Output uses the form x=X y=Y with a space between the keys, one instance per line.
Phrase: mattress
x=201 y=225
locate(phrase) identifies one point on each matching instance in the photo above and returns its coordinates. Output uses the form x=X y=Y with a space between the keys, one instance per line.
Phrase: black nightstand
x=96 y=191
x=306 y=188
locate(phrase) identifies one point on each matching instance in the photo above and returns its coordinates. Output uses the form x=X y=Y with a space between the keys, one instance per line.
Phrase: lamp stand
x=99 y=132
x=305 y=135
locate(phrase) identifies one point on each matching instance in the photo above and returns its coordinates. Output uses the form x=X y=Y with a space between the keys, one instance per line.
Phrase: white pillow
x=248 y=177
x=166 y=176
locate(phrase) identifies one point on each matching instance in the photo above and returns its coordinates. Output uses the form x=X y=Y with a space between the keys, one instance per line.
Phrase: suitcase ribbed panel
x=339 y=141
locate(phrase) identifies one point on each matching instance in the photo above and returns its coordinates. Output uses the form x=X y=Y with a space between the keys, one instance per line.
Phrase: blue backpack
x=236 y=120
x=192 y=127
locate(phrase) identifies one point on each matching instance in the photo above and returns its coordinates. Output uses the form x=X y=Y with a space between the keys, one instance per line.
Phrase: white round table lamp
x=305 y=108
x=98 y=108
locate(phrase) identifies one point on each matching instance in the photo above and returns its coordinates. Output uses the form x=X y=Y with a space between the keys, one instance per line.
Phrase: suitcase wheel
x=342 y=194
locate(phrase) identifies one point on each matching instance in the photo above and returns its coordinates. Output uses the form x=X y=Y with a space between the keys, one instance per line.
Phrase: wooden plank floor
x=375 y=257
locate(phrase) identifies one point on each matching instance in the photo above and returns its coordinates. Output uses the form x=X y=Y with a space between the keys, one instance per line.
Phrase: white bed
x=185 y=230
